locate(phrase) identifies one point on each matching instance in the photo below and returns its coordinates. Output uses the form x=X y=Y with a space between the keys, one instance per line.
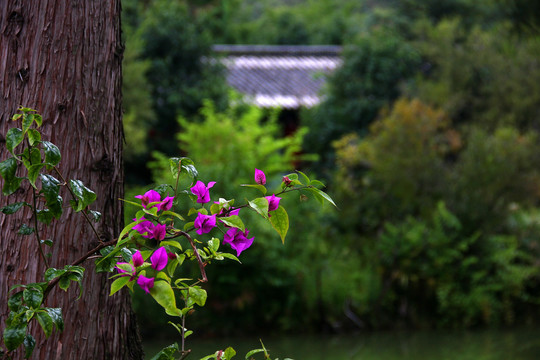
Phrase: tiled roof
x=279 y=76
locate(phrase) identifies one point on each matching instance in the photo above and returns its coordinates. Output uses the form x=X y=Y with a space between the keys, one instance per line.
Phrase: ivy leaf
x=45 y=321
x=25 y=230
x=15 y=301
x=34 y=136
x=29 y=345
x=12 y=183
x=52 y=154
x=95 y=215
x=50 y=188
x=14 y=137
x=84 y=195
x=13 y=208
x=56 y=316
x=280 y=222
x=45 y=216
x=52 y=273
x=33 y=296
x=14 y=335
x=33 y=172
x=28 y=120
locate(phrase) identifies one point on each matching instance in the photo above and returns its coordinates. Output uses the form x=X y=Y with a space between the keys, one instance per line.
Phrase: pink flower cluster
x=158 y=261
x=147 y=228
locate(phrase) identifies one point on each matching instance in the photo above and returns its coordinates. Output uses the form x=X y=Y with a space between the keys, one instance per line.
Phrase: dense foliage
x=428 y=137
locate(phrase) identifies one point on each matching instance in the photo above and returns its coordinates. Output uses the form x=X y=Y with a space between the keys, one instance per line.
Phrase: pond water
x=514 y=344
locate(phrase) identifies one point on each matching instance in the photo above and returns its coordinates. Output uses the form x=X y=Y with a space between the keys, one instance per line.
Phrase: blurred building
x=284 y=76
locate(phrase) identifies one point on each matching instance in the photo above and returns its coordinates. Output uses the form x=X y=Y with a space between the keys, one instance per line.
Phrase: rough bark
x=63 y=58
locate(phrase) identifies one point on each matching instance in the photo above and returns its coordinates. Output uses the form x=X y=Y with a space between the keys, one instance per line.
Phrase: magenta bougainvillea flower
x=159 y=259
x=149 y=197
x=150 y=230
x=145 y=283
x=158 y=232
x=204 y=223
x=137 y=259
x=166 y=204
x=238 y=240
x=152 y=196
x=273 y=202
x=143 y=227
x=202 y=191
x=260 y=178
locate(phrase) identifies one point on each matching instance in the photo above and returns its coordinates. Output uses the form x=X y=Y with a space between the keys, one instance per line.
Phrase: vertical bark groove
x=61 y=58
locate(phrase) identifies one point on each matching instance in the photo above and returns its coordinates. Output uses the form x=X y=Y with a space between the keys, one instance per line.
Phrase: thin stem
x=199 y=260
x=36 y=232
x=83 y=212
x=80 y=260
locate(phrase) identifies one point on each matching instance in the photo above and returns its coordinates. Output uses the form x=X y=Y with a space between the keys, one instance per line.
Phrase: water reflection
x=515 y=344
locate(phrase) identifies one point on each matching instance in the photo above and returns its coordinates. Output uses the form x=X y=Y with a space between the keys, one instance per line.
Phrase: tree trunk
x=63 y=58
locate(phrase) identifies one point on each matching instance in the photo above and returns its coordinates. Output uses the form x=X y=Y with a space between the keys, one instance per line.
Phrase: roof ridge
x=328 y=50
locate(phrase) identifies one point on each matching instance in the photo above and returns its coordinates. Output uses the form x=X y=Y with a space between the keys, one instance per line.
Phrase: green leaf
x=13 y=208
x=25 y=230
x=50 y=188
x=33 y=297
x=14 y=137
x=14 y=335
x=56 y=316
x=183 y=165
x=33 y=173
x=47 y=242
x=167 y=353
x=28 y=119
x=16 y=117
x=46 y=322
x=261 y=188
x=31 y=156
x=34 y=136
x=229 y=353
x=320 y=195
x=280 y=222
x=12 y=183
x=196 y=296
x=260 y=205
x=233 y=221
x=304 y=177
x=95 y=215
x=45 y=216
x=119 y=283
x=64 y=283
x=230 y=256
x=253 y=352
x=84 y=195
x=38 y=119
x=52 y=273
x=317 y=183
x=163 y=293
x=52 y=154
x=15 y=301
x=29 y=345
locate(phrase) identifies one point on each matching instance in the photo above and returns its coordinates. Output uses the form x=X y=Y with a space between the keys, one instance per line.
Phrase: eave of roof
x=279 y=76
